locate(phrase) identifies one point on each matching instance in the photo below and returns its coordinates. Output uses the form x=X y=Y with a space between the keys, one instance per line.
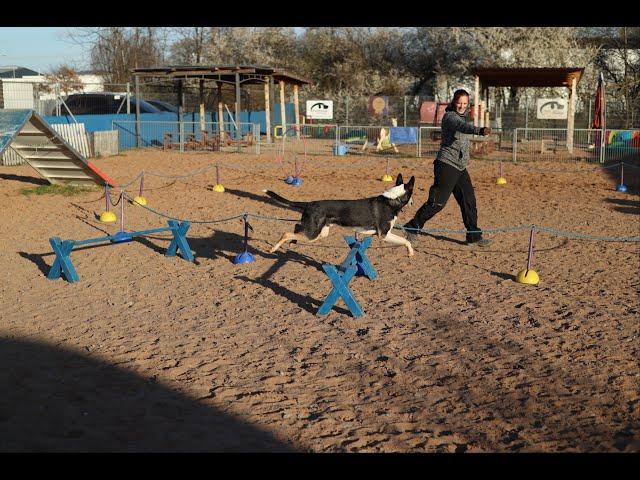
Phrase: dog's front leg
x=398 y=240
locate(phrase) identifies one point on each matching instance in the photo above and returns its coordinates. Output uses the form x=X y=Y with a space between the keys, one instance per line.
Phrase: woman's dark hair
x=456 y=95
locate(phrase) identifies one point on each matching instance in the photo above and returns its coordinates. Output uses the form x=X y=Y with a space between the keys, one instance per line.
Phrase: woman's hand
x=484 y=131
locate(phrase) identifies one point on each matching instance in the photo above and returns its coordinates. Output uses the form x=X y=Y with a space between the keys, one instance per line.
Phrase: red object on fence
x=432 y=112
x=599 y=107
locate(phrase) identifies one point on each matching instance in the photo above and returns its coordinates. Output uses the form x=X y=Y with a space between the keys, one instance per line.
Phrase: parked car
x=97 y=103
x=164 y=106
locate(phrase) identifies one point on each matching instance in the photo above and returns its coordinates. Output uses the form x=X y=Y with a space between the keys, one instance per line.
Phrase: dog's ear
x=399 y=180
x=409 y=185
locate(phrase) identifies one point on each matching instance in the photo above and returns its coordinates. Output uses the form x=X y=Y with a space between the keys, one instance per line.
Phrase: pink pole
x=530 y=257
x=297 y=169
x=387 y=168
x=621 y=173
x=500 y=168
x=122 y=210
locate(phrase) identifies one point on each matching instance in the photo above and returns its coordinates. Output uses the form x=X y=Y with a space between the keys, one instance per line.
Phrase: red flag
x=599 y=107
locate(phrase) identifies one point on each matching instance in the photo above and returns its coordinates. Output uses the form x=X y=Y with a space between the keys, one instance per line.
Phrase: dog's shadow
x=305 y=302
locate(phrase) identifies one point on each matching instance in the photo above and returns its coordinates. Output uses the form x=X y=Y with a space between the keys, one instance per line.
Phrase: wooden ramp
x=25 y=132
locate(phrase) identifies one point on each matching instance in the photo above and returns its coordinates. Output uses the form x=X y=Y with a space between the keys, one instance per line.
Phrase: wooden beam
x=476 y=103
x=220 y=112
x=571 y=115
x=267 y=109
x=283 y=118
x=296 y=105
x=202 y=112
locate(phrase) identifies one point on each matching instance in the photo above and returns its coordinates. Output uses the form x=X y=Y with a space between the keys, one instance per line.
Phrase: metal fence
x=316 y=139
x=189 y=136
x=594 y=146
x=497 y=146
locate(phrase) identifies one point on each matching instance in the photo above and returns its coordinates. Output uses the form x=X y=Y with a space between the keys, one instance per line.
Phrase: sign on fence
x=551 y=108
x=320 y=109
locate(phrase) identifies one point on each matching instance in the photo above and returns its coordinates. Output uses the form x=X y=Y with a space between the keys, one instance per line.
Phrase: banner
x=379 y=105
x=320 y=109
x=551 y=108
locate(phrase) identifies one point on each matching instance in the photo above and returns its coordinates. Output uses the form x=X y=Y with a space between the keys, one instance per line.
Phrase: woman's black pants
x=448 y=180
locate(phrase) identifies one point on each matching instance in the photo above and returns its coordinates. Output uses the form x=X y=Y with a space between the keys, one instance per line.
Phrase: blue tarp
x=152 y=135
x=403 y=135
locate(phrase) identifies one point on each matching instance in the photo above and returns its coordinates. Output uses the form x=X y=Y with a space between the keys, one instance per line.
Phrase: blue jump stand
x=621 y=188
x=244 y=257
x=121 y=237
x=62 y=248
x=289 y=179
x=296 y=182
x=340 y=277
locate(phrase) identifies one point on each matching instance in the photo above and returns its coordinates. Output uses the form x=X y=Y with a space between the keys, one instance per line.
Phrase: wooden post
x=570 y=115
x=267 y=109
x=202 y=112
x=476 y=102
x=238 y=132
x=297 y=110
x=482 y=112
x=220 y=113
x=283 y=117
x=138 y=142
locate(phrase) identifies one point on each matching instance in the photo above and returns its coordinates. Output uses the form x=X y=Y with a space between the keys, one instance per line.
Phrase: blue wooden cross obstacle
x=63 y=248
x=340 y=277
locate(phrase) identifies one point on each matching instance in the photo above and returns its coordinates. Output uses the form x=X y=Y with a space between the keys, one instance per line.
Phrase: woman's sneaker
x=481 y=242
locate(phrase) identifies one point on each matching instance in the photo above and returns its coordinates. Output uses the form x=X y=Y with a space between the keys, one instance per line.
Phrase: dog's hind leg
x=398 y=240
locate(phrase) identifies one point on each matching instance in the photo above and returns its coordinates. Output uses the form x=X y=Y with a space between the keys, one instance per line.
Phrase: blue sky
x=40 y=48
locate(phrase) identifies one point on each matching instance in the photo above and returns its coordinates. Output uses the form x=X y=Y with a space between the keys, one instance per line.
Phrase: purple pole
x=387 y=169
x=621 y=173
x=297 y=169
x=106 y=195
x=141 y=183
x=122 y=210
x=217 y=175
x=530 y=257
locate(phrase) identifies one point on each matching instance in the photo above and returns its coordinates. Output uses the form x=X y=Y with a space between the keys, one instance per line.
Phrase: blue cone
x=621 y=188
x=289 y=180
x=244 y=257
x=120 y=237
x=296 y=182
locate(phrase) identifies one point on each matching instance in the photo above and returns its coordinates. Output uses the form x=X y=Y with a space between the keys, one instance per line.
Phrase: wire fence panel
x=189 y=136
x=590 y=145
x=310 y=139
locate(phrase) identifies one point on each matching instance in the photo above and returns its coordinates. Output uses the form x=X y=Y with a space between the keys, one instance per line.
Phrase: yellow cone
x=387 y=178
x=218 y=188
x=108 y=217
x=529 y=277
x=501 y=181
x=140 y=200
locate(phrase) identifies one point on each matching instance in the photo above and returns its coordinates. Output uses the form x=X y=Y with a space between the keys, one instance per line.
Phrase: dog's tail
x=289 y=203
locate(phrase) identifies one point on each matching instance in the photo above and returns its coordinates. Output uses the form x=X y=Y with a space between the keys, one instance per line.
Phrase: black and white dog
x=369 y=216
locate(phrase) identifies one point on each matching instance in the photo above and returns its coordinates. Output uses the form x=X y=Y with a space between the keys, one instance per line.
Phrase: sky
x=40 y=48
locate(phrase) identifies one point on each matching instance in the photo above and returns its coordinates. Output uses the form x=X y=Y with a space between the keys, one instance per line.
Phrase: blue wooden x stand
x=63 y=248
x=341 y=276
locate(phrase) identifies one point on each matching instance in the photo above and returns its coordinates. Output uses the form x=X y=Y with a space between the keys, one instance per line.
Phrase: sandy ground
x=154 y=353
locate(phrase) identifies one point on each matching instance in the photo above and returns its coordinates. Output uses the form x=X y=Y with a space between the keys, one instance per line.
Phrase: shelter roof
x=528 y=77
x=225 y=73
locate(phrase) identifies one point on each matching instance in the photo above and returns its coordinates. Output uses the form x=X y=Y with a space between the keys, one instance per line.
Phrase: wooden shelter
x=527 y=77
x=237 y=75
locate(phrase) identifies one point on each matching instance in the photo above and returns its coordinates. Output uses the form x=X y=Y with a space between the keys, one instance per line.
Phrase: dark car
x=98 y=103
x=164 y=106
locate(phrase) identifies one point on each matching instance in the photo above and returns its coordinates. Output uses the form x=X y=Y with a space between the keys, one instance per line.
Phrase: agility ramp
x=44 y=149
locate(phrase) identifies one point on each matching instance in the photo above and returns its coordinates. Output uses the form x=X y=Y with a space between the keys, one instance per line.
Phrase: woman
x=450 y=172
